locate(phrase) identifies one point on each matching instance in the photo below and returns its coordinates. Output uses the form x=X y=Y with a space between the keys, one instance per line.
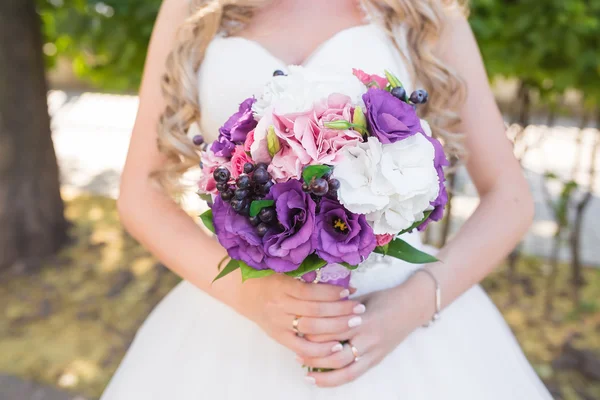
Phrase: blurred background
x=74 y=286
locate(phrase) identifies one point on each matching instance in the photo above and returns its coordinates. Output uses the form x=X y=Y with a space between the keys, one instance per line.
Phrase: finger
x=316 y=292
x=320 y=326
x=341 y=376
x=337 y=360
x=325 y=309
x=339 y=337
x=305 y=349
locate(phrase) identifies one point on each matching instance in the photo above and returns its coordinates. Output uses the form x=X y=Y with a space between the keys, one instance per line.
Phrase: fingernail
x=360 y=309
x=337 y=348
x=353 y=290
x=356 y=321
x=300 y=360
x=344 y=293
x=310 y=380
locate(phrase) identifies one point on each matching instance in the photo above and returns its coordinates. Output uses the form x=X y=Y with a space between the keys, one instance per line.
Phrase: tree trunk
x=575 y=239
x=32 y=223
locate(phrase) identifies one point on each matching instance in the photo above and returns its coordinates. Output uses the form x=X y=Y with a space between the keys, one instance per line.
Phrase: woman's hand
x=275 y=301
x=389 y=318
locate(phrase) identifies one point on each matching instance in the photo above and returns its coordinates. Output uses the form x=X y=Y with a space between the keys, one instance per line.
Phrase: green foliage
x=106 y=40
x=550 y=45
x=401 y=250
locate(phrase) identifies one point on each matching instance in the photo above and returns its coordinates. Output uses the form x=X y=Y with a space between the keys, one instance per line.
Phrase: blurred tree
x=32 y=222
x=106 y=40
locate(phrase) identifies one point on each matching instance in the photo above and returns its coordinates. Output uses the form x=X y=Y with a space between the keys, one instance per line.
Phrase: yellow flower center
x=340 y=225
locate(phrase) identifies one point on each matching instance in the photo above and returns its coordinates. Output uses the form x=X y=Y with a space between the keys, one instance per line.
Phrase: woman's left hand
x=390 y=316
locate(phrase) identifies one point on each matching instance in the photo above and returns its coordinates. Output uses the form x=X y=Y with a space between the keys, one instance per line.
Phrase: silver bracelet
x=438 y=296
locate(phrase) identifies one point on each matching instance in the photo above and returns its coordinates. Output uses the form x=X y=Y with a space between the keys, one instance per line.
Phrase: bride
x=230 y=340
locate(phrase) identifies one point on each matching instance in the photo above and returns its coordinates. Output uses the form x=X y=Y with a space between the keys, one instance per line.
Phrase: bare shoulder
x=457 y=40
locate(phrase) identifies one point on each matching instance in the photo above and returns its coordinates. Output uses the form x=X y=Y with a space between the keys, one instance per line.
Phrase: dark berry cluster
x=325 y=186
x=417 y=97
x=255 y=183
x=266 y=218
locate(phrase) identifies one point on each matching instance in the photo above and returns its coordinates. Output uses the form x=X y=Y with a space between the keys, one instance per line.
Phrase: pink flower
x=368 y=80
x=238 y=159
x=304 y=139
x=210 y=162
x=249 y=141
x=384 y=239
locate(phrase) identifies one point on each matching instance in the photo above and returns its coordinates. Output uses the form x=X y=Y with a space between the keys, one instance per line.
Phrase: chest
x=235 y=68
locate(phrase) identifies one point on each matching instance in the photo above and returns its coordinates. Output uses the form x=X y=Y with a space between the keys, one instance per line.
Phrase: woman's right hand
x=274 y=302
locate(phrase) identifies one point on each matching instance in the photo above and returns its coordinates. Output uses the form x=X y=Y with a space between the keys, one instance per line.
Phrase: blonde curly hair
x=418 y=23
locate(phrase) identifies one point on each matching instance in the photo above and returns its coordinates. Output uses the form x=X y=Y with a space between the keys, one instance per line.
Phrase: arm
x=173 y=237
x=506 y=210
x=502 y=217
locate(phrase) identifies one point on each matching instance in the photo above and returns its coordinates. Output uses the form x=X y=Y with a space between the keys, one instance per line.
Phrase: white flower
x=426 y=128
x=297 y=91
x=392 y=184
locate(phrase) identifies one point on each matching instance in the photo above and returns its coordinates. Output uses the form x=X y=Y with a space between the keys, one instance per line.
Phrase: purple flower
x=440 y=161
x=390 y=119
x=237 y=235
x=235 y=129
x=287 y=245
x=342 y=236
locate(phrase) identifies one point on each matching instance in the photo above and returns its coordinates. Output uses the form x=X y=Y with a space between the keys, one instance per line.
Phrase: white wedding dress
x=193 y=347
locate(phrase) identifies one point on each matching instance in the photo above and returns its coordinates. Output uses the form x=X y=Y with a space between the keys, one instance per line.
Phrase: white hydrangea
x=297 y=91
x=391 y=184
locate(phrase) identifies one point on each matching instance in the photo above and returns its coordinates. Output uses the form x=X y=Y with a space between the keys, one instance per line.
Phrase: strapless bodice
x=235 y=68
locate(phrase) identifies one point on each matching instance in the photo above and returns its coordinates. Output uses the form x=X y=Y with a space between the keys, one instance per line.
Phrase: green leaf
x=416 y=224
x=258 y=205
x=231 y=266
x=222 y=262
x=392 y=79
x=250 y=273
x=207 y=220
x=350 y=267
x=310 y=263
x=401 y=250
x=205 y=196
x=272 y=141
x=314 y=171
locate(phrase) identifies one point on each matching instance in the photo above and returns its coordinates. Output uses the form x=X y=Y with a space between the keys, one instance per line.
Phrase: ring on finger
x=354 y=352
x=295 y=323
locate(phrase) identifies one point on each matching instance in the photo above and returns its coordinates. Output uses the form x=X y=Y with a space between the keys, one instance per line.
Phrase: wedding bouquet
x=318 y=172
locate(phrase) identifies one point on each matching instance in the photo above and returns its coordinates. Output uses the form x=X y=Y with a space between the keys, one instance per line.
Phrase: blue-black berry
x=248 y=168
x=254 y=220
x=198 y=140
x=241 y=194
x=334 y=184
x=221 y=175
x=267 y=215
x=399 y=92
x=262 y=229
x=419 y=96
x=278 y=72
x=319 y=187
x=261 y=176
x=227 y=195
x=243 y=181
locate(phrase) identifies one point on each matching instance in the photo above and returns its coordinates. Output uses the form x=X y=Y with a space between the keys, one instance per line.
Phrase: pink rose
x=210 y=162
x=238 y=159
x=384 y=239
x=368 y=80
x=249 y=141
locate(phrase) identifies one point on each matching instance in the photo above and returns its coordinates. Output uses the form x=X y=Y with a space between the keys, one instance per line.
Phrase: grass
x=70 y=323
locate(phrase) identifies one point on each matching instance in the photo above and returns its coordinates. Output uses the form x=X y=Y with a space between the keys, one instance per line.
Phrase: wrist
x=419 y=290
